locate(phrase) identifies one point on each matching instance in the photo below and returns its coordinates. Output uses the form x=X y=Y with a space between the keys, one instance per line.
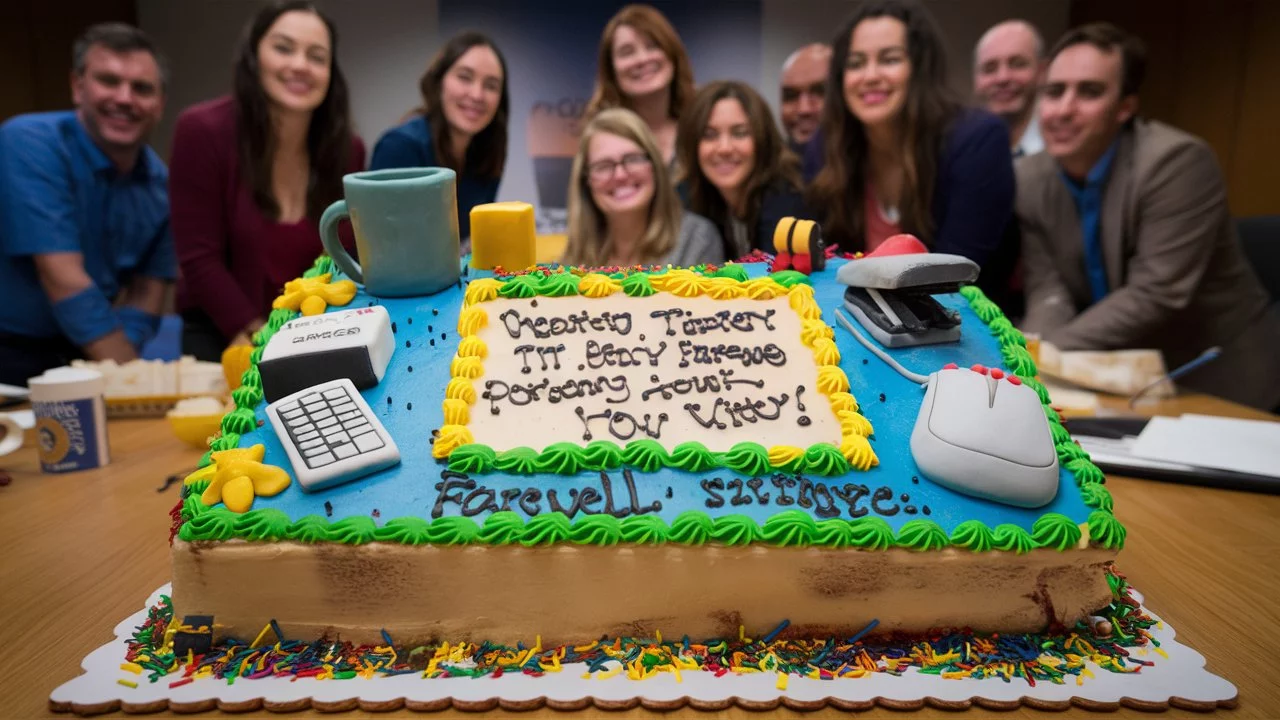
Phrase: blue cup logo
x=66 y=435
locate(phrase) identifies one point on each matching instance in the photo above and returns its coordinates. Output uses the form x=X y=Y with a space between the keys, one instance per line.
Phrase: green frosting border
x=789 y=528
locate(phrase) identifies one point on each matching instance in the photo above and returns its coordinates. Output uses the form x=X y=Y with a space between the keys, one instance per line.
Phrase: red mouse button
x=902 y=244
x=951 y=366
x=979 y=369
x=997 y=373
x=1015 y=379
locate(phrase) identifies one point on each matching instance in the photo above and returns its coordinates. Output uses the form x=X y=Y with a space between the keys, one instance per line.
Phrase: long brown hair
x=487 y=152
x=647 y=20
x=329 y=136
x=840 y=188
x=588 y=227
x=775 y=164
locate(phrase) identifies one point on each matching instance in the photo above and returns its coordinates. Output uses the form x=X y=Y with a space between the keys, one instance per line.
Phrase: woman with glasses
x=622 y=212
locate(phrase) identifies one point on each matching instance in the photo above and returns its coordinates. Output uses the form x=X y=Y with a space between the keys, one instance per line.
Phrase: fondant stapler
x=891 y=292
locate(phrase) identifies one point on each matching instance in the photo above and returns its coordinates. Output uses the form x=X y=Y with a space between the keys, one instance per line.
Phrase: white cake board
x=1179 y=681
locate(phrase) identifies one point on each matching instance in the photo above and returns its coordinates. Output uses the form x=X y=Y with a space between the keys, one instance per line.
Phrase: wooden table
x=1207 y=560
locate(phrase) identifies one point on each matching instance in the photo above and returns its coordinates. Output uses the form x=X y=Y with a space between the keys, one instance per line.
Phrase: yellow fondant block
x=502 y=233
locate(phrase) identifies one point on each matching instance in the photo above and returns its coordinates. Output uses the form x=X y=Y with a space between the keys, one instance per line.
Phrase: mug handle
x=333 y=244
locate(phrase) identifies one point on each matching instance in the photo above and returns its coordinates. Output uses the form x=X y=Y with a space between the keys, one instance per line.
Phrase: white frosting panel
x=575 y=370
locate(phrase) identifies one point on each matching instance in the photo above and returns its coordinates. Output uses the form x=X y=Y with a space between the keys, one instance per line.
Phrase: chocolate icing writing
x=770 y=353
x=703 y=384
x=553 y=350
x=621 y=425
x=724 y=321
x=600 y=355
x=574 y=323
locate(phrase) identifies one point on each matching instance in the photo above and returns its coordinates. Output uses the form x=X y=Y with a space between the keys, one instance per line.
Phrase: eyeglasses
x=600 y=171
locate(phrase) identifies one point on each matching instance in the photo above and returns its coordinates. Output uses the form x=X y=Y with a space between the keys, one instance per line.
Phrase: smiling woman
x=643 y=67
x=250 y=174
x=461 y=124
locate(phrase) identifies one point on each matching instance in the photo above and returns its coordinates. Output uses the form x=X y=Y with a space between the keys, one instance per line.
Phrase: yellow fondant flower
x=237 y=476
x=460 y=388
x=311 y=296
x=481 y=290
x=451 y=438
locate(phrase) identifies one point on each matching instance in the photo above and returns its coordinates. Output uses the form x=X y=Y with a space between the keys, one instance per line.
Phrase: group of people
x=1121 y=224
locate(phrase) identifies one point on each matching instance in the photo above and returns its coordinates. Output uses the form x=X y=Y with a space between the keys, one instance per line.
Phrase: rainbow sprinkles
x=517 y=357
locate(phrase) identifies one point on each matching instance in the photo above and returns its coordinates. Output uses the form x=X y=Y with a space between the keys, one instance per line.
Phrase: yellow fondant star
x=237 y=476
x=311 y=296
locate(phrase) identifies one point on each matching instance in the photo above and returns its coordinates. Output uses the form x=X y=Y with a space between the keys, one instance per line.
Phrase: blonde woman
x=622 y=212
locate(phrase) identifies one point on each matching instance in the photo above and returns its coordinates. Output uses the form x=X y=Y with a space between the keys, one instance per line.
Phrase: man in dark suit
x=1127 y=239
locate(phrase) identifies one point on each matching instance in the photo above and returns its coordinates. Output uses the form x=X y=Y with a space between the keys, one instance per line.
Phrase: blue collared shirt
x=1089 y=204
x=60 y=193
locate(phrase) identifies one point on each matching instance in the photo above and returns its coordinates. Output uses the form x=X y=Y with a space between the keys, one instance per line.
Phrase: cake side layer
x=571 y=594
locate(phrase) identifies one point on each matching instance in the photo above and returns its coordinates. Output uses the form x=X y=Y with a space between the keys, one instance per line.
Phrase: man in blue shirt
x=86 y=257
x=1127 y=239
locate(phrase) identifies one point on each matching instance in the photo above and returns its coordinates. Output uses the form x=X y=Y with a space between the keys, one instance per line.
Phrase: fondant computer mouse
x=983 y=433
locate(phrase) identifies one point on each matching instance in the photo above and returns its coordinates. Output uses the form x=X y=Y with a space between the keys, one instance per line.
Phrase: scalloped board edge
x=96 y=690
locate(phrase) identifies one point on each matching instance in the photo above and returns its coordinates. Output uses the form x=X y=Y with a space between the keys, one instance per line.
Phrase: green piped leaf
x=452 y=531
x=1056 y=531
x=748 y=458
x=733 y=271
x=264 y=524
x=691 y=527
x=1106 y=530
x=790 y=528
x=516 y=461
x=562 y=458
x=735 y=530
x=825 y=459
x=247 y=396
x=1085 y=471
x=644 y=529
x=225 y=441
x=239 y=421
x=210 y=524
x=790 y=278
x=559 y=285
x=1096 y=495
x=252 y=377
x=520 y=286
x=405 y=531
x=353 y=530
x=834 y=533
x=547 y=529
x=1069 y=451
x=647 y=455
x=1041 y=391
x=871 y=533
x=637 y=285
x=1018 y=360
x=1059 y=433
x=502 y=528
x=599 y=529
x=922 y=535
x=310 y=529
x=692 y=457
x=1012 y=538
x=473 y=458
x=972 y=535
x=601 y=455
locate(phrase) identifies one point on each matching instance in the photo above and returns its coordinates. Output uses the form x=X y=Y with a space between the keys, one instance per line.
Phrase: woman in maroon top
x=250 y=174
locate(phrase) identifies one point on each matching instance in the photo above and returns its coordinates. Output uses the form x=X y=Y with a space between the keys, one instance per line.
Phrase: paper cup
x=71 y=419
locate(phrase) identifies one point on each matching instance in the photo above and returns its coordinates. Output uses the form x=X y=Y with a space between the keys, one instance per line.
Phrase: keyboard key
x=307 y=436
x=322 y=424
x=304 y=429
x=321 y=460
x=334 y=438
x=358 y=428
x=322 y=414
x=344 y=451
x=345 y=407
x=310 y=398
x=295 y=422
x=315 y=407
x=313 y=443
x=293 y=412
x=316 y=450
x=368 y=441
x=335 y=393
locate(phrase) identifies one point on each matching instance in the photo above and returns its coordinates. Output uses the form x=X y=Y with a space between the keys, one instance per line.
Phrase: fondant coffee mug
x=406 y=227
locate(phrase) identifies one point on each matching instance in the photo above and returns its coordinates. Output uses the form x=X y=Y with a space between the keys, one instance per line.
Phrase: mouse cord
x=913 y=377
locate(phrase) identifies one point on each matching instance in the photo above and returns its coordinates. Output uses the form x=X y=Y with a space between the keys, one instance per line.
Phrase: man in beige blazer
x=1127 y=239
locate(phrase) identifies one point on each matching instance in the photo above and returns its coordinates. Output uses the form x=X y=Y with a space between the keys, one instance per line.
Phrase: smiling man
x=804 y=81
x=1007 y=66
x=86 y=256
x=1127 y=239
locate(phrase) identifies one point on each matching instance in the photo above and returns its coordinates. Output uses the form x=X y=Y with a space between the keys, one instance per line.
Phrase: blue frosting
x=408 y=403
